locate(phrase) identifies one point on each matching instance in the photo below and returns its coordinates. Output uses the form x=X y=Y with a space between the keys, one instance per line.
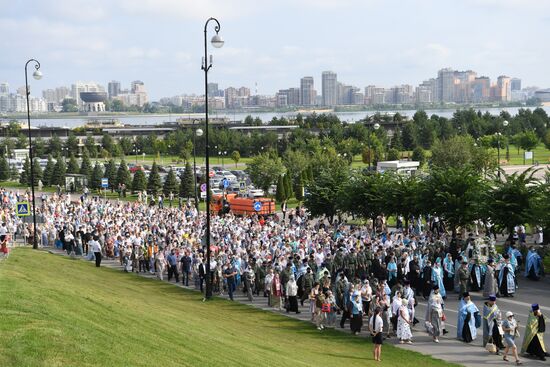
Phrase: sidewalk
x=449 y=349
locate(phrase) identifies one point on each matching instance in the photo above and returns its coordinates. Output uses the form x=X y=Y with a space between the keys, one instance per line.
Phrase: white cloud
x=189 y=9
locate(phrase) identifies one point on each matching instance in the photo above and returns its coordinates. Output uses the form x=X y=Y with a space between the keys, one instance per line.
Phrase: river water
x=148 y=119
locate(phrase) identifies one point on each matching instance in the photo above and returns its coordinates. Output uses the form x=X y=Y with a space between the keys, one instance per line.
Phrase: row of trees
x=525 y=130
x=458 y=195
x=118 y=176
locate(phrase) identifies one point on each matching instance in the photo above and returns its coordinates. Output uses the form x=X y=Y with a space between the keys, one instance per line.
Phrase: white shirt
x=95 y=246
x=378 y=324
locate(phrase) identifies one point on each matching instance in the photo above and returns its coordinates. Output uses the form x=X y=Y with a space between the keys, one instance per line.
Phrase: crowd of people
x=360 y=273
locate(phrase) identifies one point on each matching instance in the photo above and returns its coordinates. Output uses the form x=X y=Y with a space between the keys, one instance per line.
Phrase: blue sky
x=272 y=43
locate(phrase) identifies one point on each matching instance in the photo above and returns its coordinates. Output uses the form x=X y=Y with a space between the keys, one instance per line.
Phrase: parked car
x=135 y=168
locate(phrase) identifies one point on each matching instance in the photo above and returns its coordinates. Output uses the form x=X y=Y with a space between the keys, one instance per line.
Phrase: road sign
x=23 y=209
x=211 y=174
x=528 y=155
x=104 y=183
x=257 y=206
x=242 y=187
x=225 y=183
x=203 y=187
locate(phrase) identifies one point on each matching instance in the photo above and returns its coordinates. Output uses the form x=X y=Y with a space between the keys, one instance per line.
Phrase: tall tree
x=123 y=176
x=235 y=157
x=110 y=173
x=280 y=193
x=139 y=183
x=154 y=183
x=86 y=165
x=512 y=200
x=91 y=147
x=97 y=175
x=73 y=166
x=48 y=172
x=59 y=171
x=186 y=182
x=72 y=143
x=4 y=169
x=265 y=169
x=55 y=146
x=24 y=177
x=288 y=186
x=456 y=194
x=170 y=184
x=324 y=192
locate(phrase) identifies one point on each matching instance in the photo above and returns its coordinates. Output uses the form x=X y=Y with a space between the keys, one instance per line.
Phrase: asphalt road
x=449 y=349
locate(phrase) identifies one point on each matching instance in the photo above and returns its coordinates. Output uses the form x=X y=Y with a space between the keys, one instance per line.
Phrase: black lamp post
x=196 y=133
x=217 y=42
x=375 y=127
x=37 y=75
x=505 y=123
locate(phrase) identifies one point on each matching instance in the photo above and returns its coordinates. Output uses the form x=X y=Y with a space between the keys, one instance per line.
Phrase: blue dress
x=466 y=317
x=437 y=278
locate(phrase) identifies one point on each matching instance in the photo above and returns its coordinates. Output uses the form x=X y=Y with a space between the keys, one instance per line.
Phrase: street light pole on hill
x=217 y=42
x=37 y=75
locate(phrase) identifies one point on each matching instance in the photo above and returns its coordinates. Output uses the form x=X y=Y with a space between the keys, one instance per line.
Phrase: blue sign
x=104 y=183
x=23 y=209
x=257 y=206
x=225 y=183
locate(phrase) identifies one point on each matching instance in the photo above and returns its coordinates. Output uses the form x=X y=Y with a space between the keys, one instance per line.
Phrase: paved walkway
x=449 y=348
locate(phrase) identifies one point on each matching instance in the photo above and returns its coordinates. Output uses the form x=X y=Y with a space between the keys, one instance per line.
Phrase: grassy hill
x=55 y=311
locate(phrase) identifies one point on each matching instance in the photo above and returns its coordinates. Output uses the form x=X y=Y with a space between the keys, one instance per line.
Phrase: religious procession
x=344 y=274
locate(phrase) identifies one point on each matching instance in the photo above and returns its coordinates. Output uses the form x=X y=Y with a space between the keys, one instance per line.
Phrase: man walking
x=173 y=266
x=186 y=262
x=229 y=274
x=96 y=249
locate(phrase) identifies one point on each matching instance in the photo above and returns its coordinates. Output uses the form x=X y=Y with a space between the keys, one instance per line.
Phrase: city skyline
x=273 y=45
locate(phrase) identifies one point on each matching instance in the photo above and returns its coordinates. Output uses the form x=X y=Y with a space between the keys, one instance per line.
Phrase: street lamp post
x=498 y=153
x=198 y=133
x=375 y=127
x=36 y=75
x=505 y=123
x=136 y=151
x=217 y=42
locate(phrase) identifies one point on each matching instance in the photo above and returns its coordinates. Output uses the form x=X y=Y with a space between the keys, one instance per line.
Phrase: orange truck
x=239 y=205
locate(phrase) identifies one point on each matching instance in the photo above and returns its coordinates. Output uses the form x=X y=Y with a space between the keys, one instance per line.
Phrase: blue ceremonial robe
x=463 y=309
x=533 y=261
x=437 y=278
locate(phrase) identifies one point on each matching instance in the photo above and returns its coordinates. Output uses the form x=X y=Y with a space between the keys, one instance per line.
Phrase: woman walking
x=404 y=322
x=292 y=293
x=510 y=328
x=356 y=313
x=376 y=326
x=434 y=314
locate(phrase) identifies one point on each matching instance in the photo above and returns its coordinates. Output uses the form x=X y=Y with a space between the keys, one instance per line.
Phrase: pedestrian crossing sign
x=23 y=209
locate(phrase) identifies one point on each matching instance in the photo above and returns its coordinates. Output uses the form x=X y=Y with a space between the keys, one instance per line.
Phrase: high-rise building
x=307 y=93
x=231 y=95
x=113 y=88
x=329 y=85
x=212 y=89
x=4 y=88
x=288 y=97
x=481 y=89
x=515 y=84
x=504 y=88
x=445 y=85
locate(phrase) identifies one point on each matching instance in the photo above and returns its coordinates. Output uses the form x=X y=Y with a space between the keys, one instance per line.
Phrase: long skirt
x=435 y=320
x=292 y=304
x=356 y=323
x=403 y=330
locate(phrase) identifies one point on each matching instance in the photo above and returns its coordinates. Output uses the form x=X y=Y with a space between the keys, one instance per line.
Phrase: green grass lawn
x=55 y=311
